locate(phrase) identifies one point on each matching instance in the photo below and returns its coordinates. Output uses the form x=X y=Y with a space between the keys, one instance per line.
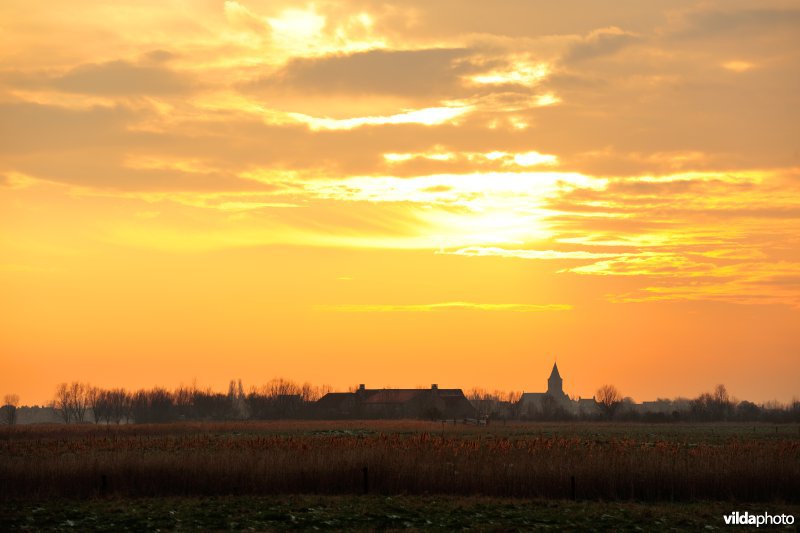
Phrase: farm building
x=396 y=403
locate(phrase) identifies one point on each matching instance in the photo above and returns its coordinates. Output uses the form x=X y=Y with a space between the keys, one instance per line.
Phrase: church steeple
x=555 y=383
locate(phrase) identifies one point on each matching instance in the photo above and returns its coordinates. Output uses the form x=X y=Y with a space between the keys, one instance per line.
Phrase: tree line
x=78 y=402
x=714 y=406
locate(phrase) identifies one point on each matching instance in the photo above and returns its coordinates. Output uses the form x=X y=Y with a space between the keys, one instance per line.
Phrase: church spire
x=554 y=373
x=555 y=383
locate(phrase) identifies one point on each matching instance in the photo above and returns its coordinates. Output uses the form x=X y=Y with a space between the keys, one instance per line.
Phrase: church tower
x=555 y=383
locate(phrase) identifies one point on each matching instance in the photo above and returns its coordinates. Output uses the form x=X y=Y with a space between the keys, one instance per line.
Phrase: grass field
x=348 y=513
x=517 y=475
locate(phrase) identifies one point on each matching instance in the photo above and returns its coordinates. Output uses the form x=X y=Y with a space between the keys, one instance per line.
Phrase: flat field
x=568 y=474
x=371 y=513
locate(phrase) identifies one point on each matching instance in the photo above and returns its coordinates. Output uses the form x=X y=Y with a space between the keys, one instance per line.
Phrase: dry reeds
x=399 y=457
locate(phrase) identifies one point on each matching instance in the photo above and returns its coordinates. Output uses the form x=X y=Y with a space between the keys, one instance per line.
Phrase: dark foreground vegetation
x=349 y=513
x=588 y=461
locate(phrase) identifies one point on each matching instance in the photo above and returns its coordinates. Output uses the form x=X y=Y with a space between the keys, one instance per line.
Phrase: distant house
x=37 y=415
x=662 y=407
x=395 y=403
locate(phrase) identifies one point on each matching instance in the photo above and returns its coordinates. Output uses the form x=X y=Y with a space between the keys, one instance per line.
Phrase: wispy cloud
x=444 y=306
x=428 y=117
x=489 y=251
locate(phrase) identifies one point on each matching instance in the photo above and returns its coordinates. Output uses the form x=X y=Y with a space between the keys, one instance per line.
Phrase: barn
x=432 y=403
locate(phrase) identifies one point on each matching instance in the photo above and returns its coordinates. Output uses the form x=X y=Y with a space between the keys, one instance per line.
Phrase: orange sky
x=401 y=193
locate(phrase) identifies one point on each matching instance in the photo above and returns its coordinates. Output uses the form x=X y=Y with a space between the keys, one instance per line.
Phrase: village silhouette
x=78 y=402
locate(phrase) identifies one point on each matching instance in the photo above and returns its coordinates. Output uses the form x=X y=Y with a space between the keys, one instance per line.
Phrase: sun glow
x=184 y=184
x=430 y=116
x=486 y=189
x=738 y=66
x=296 y=26
x=519 y=72
x=505 y=159
x=306 y=32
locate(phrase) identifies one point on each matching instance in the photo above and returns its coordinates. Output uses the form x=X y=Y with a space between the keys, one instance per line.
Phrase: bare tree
x=184 y=396
x=78 y=400
x=723 y=402
x=238 y=400
x=243 y=408
x=721 y=395
x=153 y=406
x=72 y=401
x=101 y=405
x=497 y=404
x=279 y=398
x=61 y=402
x=280 y=387
x=119 y=405
x=716 y=405
x=93 y=402
x=108 y=405
x=512 y=396
x=609 y=399
x=210 y=405
x=10 y=403
x=309 y=392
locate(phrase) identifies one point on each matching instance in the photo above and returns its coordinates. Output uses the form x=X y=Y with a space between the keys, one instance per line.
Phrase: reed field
x=609 y=462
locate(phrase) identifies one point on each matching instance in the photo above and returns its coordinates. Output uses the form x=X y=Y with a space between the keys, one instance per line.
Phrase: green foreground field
x=348 y=513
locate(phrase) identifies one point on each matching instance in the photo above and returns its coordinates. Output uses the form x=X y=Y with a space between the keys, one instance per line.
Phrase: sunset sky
x=401 y=193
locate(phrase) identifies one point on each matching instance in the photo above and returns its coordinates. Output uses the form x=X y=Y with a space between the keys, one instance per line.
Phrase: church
x=554 y=402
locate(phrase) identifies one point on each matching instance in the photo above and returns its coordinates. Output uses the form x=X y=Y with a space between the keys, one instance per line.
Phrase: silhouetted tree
x=722 y=402
x=209 y=405
x=72 y=401
x=10 y=401
x=311 y=393
x=715 y=405
x=609 y=399
x=748 y=411
x=120 y=401
x=100 y=405
x=238 y=400
x=152 y=406
x=61 y=402
x=701 y=407
x=184 y=400
x=92 y=399
x=109 y=405
x=279 y=398
x=497 y=404
x=78 y=400
x=140 y=410
x=794 y=410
